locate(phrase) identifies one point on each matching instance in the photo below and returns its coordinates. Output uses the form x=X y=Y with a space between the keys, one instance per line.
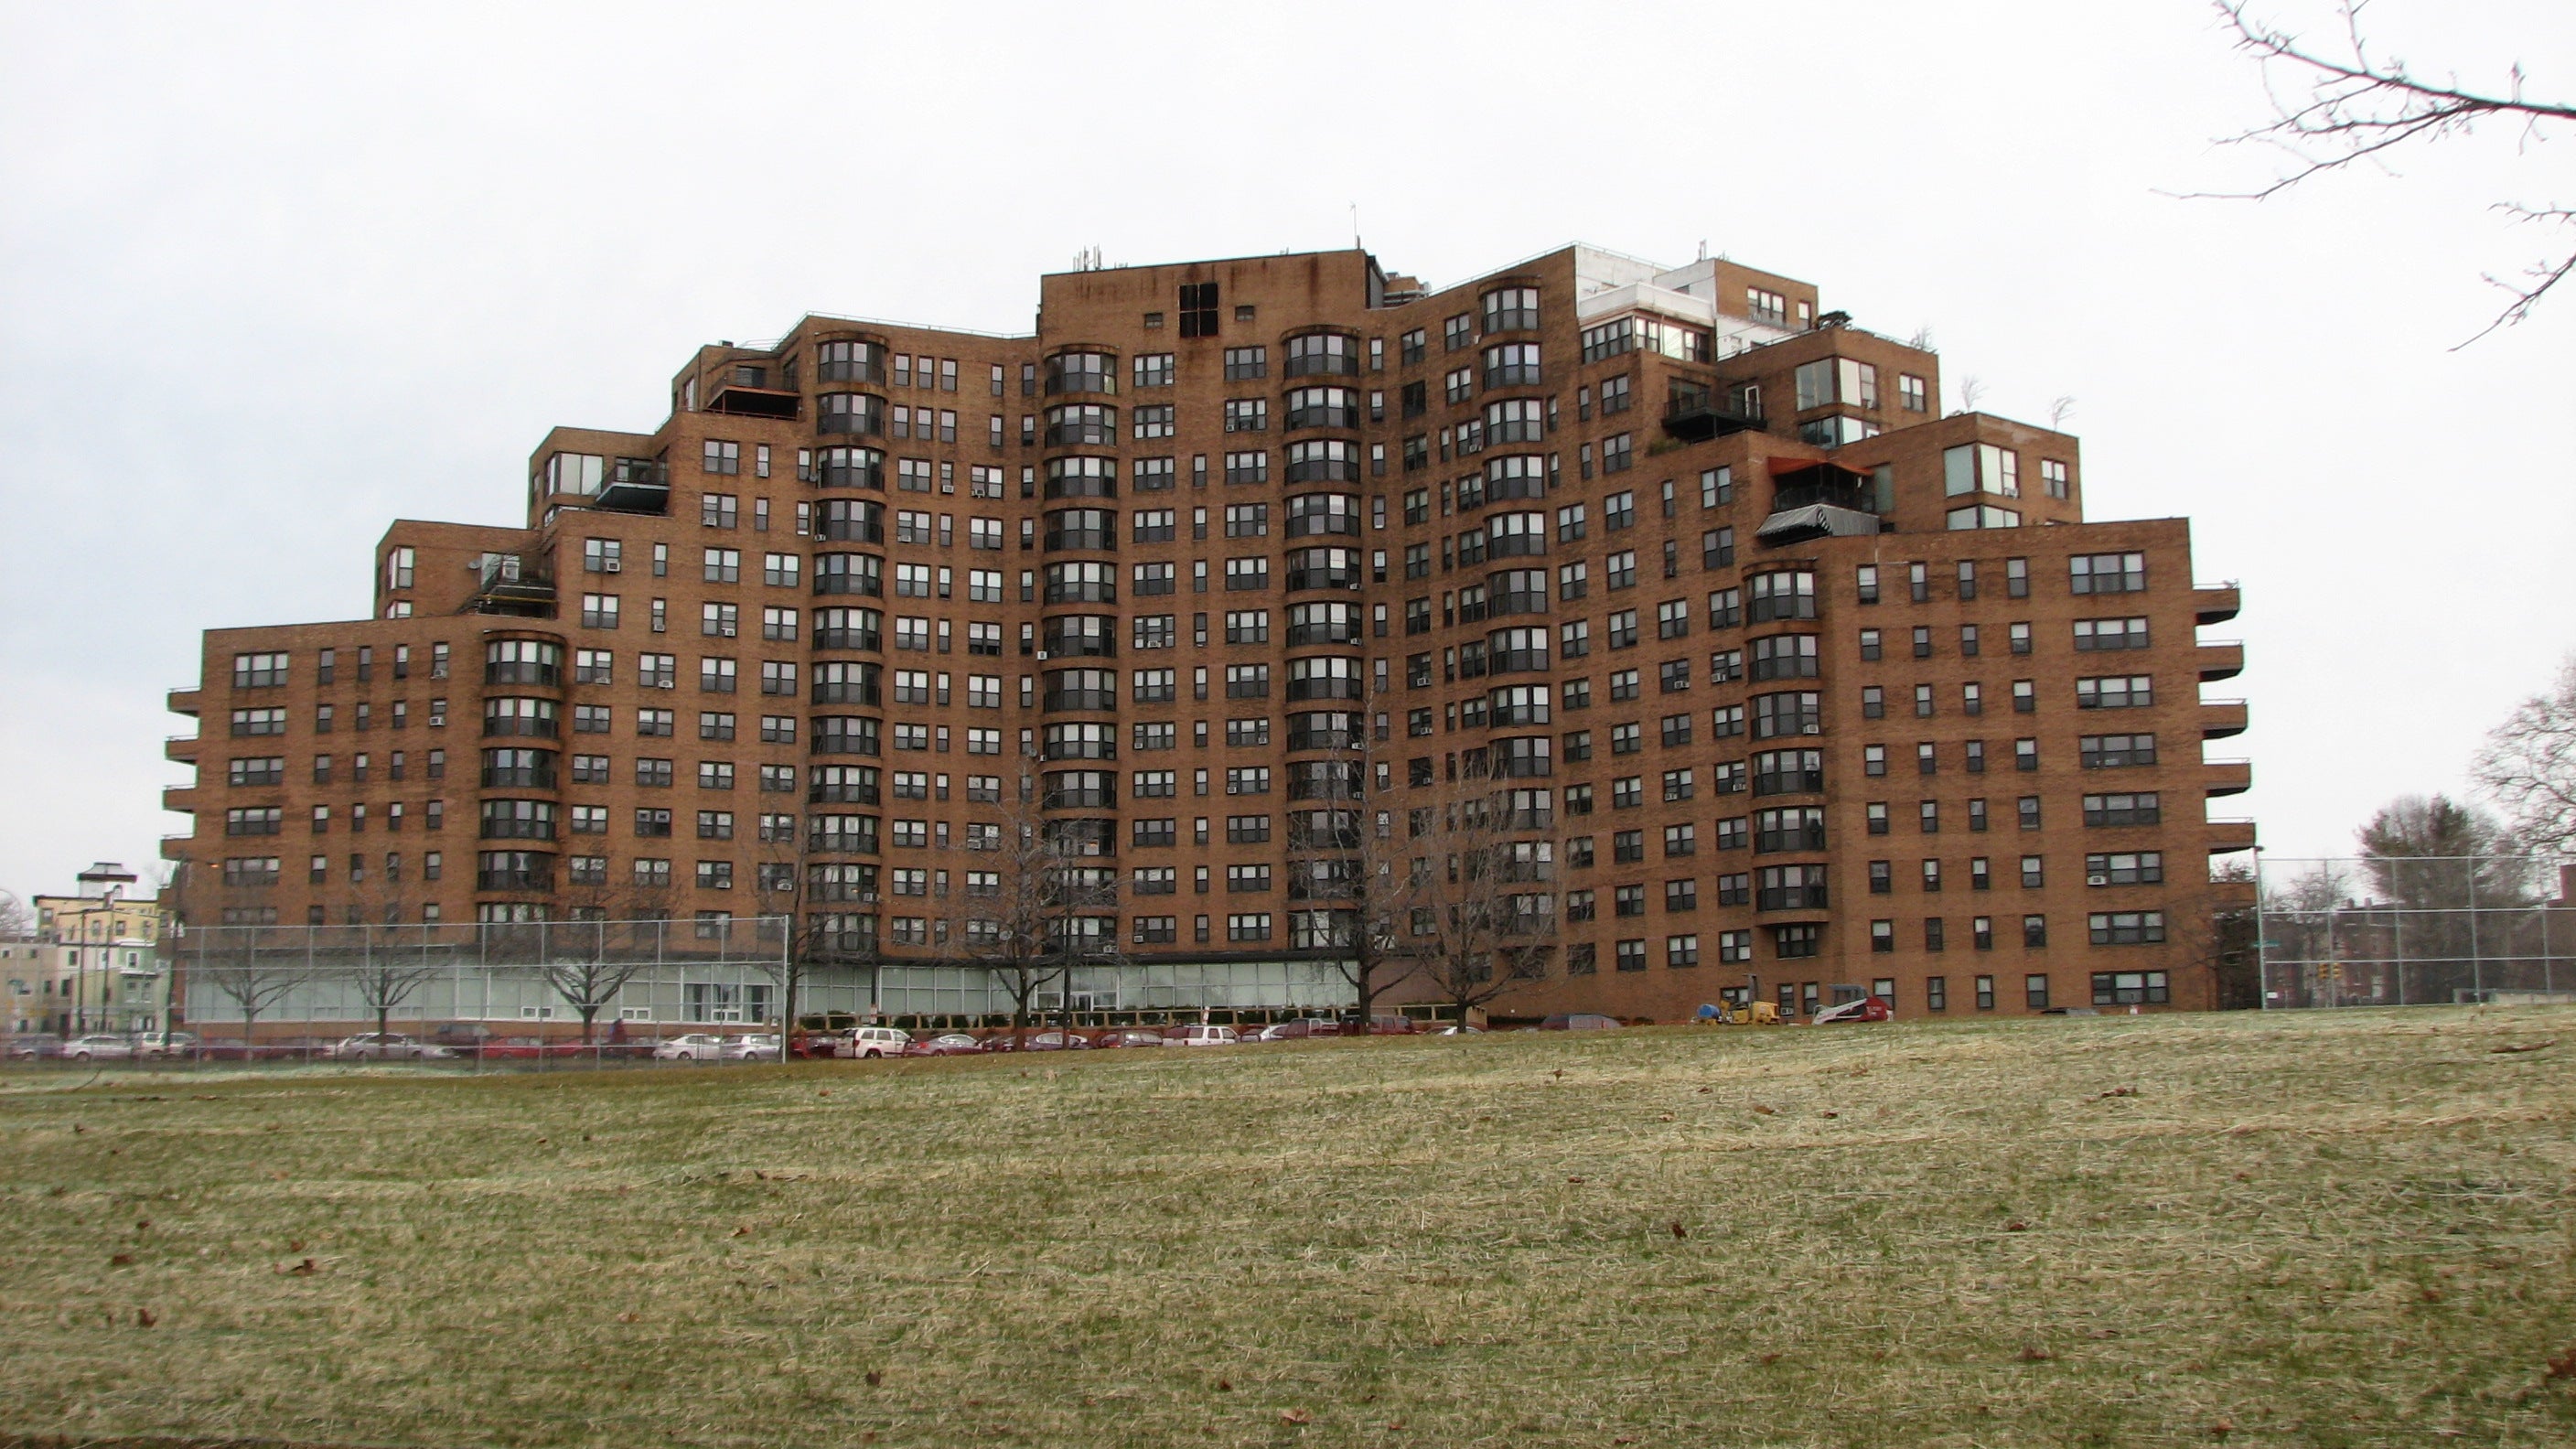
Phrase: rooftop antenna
x=1703 y=249
x=1355 y=228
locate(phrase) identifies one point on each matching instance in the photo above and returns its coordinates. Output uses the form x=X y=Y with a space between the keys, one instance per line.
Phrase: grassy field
x=2354 y=1228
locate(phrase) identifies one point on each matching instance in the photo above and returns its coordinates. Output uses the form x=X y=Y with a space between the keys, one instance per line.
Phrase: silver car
x=384 y=1046
x=104 y=1048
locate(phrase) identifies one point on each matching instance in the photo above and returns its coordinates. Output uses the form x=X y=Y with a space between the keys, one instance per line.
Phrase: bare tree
x=2528 y=766
x=1481 y=909
x=2339 y=104
x=1349 y=879
x=17 y=923
x=1027 y=889
x=385 y=975
x=592 y=961
x=236 y=970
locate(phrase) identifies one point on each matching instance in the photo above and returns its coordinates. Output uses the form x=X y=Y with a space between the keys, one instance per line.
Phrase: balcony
x=504 y=586
x=636 y=485
x=2221 y=659
x=2230 y=777
x=2220 y=718
x=181 y=749
x=2217 y=605
x=2230 y=835
x=179 y=799
x=184 y=701
x=750 y=400
x=1696 y=419
x=175 y=847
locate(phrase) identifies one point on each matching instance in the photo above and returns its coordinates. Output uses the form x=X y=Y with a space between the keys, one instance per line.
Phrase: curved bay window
x=1784 y=595
x=1081 y=583
x=1081 y=689
x=513 y=769
x=843 y=785
x=850 y=412
x=1324 y=780
x=1081 y=424
x=1324 y=460
x=1524 y=757
x=1322 y=930
x=514 y=870
x=1325 y=829
x=1081 y=742
x=1323 y=407
x=844 y=834
x=1323 y=624
x=518 y=820
x=1331 y=730
x=1785 y=656
x=1776 y=715
x=1518 y=704
x=842 y=934
x=1515 y=477
x=1789 y=772
x=1323 y=354
x=507 y=716
x=850 y=468
x=1518 y=591
x=1791 y=888
x=523 y=661
x=849 y=629
x=1081 y=372
x=1511 y=309
x=837 y=884
x=849 y=520
x=1515 y=420
x=845 y=735
x=1081 y=790
x=1090 y=839
x=847 y=682
x=1082 y=636
x=1082 y=528
x=1513 y=364
x=1794 y=827
x=1082 y=478
x=849 y=573
x=849 y=362
x=1517 y=651
x=1331 y=677
x=1515 y=535
x=1324 y=568
x=1313 y=515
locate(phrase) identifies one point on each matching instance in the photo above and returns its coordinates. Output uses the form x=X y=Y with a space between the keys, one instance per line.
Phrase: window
x=1914 y=397
x=2130 y=988
x=1980 y=468
x=2034 y=992
x=1244 y=363
x=2132 y=691
x=2107 y=573
x=2052 y=478
x=2102 y=634
x=2139 y=808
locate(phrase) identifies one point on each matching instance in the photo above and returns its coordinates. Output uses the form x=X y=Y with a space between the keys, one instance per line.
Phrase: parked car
x=1393 y=1024
x=1579 y=1021
x=1129 y=1037
x=1200 y=1036
x=165 y=1044
x=874 y=1041
x=1460 y=1029
x=464 y=1036
x=757 y=1047
x=1039 y=1041
x=1297 y=1030
x=383 y=1046
x=105 y=1048
x=697 y=1046
x=946 y=1044
x=33 y=1048
x=1867 y=1008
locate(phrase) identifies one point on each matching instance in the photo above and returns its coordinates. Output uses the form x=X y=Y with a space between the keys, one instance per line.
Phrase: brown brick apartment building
x=1799 y=683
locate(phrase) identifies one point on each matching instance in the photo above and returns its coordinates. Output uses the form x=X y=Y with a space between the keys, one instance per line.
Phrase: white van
x=874 y=1041
x=1200 y=1036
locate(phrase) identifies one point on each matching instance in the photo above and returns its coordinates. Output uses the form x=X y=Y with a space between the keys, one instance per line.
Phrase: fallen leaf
x=1680 y=1232
x=1224 y=1386
x=2222 y=1429
x=630 y=1318
x=78 y=1129
x=1667 y=1117
x=541 y=1142
x=120 y=1260
x=1704 y=1091
x=1833 y=1114
x=875 y=1378
x=825 y=1092
x=305 y=1269
x=2510 y=1050
x=1770 y=1358
x=2016 y=1226
x=2117 y=1092
x=1299 y=1416
x=295 y=1245
x=143 y=1225
x=740 y=1233
x=1761 y=1111
x=2033 y=1354
x=2563 y=1366
x=144 y=1318
x=1574 y=1179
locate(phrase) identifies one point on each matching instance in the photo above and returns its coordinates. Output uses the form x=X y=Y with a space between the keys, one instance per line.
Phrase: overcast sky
x=272 y=276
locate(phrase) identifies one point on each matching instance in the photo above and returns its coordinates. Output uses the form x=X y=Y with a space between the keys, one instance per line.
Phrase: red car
x=1129 y=1037
x=1038 y=1041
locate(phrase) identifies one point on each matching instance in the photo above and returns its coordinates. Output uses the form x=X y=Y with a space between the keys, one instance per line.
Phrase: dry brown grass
x=2314 y=1229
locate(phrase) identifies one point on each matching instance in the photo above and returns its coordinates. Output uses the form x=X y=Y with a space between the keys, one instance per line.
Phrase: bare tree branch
x=2528 y=767
x=2334 y=109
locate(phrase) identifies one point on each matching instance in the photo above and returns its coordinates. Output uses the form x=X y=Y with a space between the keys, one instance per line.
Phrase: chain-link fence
x=2416 y=930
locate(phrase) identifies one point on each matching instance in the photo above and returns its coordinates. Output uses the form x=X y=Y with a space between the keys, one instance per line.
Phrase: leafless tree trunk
x=1022 y=898
x=1349 y=870
x=2339 y=104
x=1481 y=909
x=2529 y=767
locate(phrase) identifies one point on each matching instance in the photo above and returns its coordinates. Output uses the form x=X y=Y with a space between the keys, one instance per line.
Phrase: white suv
x=1201 y=1036
x=874 y=1041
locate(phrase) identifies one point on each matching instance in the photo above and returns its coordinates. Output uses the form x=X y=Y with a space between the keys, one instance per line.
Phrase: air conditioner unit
x=612 y=566
x=867 y=898
x=2094 y=880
